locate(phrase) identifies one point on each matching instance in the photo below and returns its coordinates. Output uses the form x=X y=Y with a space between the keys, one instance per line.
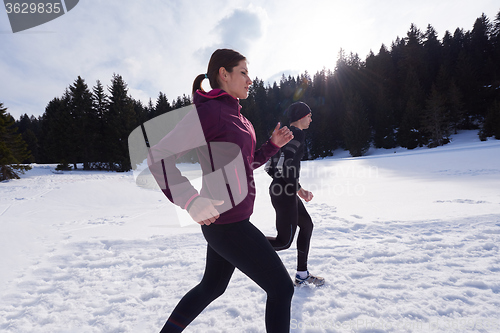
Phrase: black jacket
x=285 y=164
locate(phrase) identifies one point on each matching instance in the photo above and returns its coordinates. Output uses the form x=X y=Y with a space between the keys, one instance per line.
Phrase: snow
x=408 y=241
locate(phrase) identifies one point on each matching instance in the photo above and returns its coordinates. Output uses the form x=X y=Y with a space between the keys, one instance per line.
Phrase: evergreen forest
x=415 y=92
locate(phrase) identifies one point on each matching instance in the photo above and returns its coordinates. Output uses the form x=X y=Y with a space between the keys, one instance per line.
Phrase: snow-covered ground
x=408 y=241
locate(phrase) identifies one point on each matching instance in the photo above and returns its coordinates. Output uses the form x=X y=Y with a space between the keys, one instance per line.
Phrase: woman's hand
x=306 y=195
x=203 y=212
x=281 y=136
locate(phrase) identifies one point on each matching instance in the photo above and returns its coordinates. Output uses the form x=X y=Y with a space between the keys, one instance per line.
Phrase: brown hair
x=220 y=58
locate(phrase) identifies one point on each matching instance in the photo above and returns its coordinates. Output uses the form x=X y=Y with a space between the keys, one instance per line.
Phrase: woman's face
x=237 y=82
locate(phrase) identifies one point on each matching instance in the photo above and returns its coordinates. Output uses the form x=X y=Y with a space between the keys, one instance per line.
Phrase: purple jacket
x=226 y=152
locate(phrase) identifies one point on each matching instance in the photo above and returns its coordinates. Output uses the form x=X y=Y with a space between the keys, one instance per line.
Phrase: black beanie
x=297 y=110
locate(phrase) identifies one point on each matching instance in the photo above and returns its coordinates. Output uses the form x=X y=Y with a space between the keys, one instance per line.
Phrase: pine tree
x=259 y=116
x=13 y=149
x=27 y=126
x=100 y=104
x=120 y=120
x=455 y=106
x=274 y=104
x=414 y=57
x=186 y=100
x=495 y=40
x=448 y=58
x=254 y=108
x=491 y=125
x=181 y=102
x=382 y=70
x=100 y=100
x=480 y=47
x=84 y=121
x=434 y=121
x=287 y=89
x=384 y=136
x=150 y=109
x=141 y=112
x=409 y=132
x=356 y=129
x=433 y=54
x=56 y=129
x=466 y=80
x=162 y=105
x=320 y=136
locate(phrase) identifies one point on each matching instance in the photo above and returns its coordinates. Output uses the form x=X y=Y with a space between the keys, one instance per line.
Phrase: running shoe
x=310 y=279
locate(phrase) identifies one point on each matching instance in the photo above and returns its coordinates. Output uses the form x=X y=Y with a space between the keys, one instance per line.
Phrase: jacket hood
x=202 y=96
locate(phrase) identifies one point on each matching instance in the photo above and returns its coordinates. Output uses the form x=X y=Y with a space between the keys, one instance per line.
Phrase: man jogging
x=285 y=191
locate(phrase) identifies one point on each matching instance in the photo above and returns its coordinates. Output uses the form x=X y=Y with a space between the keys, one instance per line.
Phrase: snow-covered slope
x=408 y=241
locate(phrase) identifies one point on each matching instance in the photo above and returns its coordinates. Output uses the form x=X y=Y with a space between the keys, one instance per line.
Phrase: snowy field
x=408 y=241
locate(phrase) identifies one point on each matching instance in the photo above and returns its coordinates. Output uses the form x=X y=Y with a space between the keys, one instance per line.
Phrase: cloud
x=240 y=29
x=152 y=47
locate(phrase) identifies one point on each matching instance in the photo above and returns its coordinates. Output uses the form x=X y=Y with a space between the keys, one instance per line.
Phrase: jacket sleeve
x=266 y=151
x=291 y=164
x=186 y=136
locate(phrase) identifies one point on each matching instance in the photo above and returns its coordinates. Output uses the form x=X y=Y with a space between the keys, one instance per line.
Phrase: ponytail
x=197 y=83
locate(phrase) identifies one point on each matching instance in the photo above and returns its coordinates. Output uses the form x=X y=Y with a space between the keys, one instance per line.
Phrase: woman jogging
x=285 y=191
x=223 y=207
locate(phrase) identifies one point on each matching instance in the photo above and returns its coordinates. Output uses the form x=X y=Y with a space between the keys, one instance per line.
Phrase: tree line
x=89 y=126
x=414 y=93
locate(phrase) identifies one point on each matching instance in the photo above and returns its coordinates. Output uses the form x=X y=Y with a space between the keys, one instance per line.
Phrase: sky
x=161 y=46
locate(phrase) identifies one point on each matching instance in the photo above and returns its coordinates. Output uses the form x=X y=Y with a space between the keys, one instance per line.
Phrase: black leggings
x=239 y=245
x=290 y=213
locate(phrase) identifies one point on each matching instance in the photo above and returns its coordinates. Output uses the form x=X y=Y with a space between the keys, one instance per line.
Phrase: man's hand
x=281 y=136
x=306 y=195
x=203 y=212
